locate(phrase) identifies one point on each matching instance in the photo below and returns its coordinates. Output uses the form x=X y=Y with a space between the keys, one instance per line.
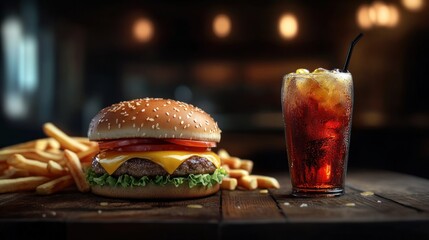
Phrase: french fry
x=86 y=141
x=21 y=184
x=55 y=151
x=222 y=153
x=246 y=165
x=6 y=153
x=41 y=144
x=88 y=154
x=226 y=167
x=238 y=173
x=55 y=168
x=75 y=168
x=228 y=183
x=232 y=162
x=25 y=145
x=55 y=185
x=266 y=181
x=247 y=182
x=30 y=153
x=32 y=166
x=43 y=156
x=66 y=141
x=53 y=144
x=13 y=172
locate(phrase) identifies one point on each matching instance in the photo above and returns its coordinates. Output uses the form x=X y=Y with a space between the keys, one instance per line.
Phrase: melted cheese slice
x=169 y=160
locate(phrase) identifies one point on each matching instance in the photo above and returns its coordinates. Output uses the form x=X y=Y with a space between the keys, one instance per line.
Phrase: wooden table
x=398 y=209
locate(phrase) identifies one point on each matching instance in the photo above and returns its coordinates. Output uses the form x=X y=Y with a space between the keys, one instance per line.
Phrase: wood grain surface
x=395 y=206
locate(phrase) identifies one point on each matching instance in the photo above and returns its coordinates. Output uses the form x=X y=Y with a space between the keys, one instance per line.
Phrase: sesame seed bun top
x=153 y=118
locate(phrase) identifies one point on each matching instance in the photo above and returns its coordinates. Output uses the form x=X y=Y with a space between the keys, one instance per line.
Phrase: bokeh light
x=413 y=5
x=288 y=26
x=143 y=30
x=222 y=26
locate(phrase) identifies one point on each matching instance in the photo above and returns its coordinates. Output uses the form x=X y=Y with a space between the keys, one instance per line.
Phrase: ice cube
x=320 y=70
x=307 y=85
x=302 y=71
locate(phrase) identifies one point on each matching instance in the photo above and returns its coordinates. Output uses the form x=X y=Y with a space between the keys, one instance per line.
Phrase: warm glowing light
x=394 y=16
x=288 y=26
x=413 y=5
x=382 y=13
x=222 y=25
x=377 y=14
x=363 y=18
x=143 y=30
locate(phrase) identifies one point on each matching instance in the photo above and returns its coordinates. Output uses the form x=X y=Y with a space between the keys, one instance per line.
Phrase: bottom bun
x=155 y=192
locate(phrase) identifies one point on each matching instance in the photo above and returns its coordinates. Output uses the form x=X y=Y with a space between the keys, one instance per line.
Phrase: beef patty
x=139 y=167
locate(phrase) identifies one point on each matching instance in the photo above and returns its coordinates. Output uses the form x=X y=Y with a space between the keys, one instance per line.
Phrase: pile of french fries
x=239 y=174
x=49 y=165
x=46 y=165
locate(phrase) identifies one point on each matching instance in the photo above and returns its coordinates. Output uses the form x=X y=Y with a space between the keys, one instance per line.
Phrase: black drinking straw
x=349 y=54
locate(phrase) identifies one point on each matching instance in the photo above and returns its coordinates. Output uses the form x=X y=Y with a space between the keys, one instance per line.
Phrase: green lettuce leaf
x=129 y=181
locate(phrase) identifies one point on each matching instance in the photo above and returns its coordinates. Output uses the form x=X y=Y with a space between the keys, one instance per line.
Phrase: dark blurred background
x=62 y=61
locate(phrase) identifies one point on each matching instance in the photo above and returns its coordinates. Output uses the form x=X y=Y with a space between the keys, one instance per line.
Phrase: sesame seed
x=157 y=116
x=153 y=126
x=154 y=109
x=142 y=124
x=175 y=128
x=167 y=113
x=182 y=122
x=147 y=104
x=195 y=120
x=168 y=102
x=180 y=117
x=174 y=116
x=169 y=120
x=134 y=125
x=143 y=110
x=133 y=118
x=119 y=125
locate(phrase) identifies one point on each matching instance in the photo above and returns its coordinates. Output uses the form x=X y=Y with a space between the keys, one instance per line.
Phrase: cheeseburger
x=154 y=148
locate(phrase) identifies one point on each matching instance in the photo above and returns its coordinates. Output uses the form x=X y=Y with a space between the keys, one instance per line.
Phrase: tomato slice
x=191 y=143
x=159 y=147
x=153 y=144
x=111 y=144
